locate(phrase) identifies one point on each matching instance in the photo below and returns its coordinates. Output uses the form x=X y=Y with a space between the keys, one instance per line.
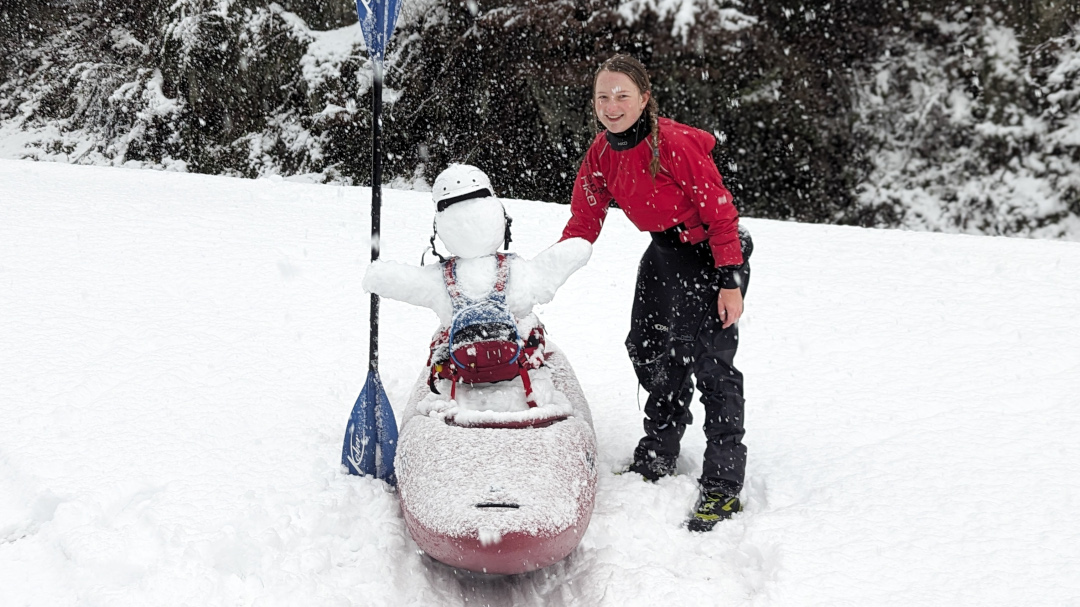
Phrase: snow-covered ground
x=179 y=354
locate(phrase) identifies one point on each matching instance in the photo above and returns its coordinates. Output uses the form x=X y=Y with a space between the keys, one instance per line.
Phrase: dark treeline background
x=918 y=113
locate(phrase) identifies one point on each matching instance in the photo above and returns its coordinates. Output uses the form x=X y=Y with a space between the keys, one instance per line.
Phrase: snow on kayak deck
x=450 y=470
x=502 y=403
x=180 y=353
x=445 y=469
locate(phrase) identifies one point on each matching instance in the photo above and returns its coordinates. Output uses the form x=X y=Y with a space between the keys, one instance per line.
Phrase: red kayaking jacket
x=687 y=190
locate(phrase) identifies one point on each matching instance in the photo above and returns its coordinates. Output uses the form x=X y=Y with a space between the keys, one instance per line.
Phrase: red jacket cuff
x=726 y=253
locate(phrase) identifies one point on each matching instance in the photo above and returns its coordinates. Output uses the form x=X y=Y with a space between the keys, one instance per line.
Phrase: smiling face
x=617 y=101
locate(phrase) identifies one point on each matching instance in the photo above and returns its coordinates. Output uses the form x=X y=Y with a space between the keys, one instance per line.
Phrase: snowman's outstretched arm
x=419 y=286
x=535 y=281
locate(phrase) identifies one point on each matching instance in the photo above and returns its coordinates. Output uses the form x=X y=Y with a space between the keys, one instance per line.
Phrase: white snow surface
x=181 y=352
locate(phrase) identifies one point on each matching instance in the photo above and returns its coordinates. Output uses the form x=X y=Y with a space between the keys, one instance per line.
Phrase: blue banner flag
x=377 y=20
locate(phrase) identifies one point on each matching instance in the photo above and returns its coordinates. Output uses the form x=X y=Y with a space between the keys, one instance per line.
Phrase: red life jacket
x=482 y=344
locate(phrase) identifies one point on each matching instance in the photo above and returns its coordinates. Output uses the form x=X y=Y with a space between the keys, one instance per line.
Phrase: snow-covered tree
x=970 y=129
x=929 y=114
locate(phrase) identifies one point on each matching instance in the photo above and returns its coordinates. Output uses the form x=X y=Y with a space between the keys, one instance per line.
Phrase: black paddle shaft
x=376 y=203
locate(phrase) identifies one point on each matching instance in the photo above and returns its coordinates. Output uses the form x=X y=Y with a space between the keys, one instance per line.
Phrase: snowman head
x=468 y=218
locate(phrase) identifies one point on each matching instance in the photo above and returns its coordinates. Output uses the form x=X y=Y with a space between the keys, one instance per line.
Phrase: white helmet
x=460 y=182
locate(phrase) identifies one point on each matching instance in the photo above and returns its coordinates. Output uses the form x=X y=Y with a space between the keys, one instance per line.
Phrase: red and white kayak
x=490 y=485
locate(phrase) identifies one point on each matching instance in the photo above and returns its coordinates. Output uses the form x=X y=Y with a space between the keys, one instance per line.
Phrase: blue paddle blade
x=386 y=434
x=377 y=21
x=371 y=436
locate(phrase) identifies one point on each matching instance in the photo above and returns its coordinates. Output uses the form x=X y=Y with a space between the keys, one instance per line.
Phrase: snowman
x=487 y=355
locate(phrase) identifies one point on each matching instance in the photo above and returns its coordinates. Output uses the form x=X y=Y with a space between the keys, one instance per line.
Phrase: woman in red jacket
x=691 y=279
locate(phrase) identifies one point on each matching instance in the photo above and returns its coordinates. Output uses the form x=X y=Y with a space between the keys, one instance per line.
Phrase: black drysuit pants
x=676 y=336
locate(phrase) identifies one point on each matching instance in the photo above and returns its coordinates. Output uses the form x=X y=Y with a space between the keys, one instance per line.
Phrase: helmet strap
x=434 y=232
x=506 y=234
x=507 y=239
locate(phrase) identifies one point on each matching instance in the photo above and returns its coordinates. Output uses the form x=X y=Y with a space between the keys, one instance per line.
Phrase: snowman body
x=472 y=231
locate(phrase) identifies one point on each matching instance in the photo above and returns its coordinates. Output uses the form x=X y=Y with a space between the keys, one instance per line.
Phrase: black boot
x=656 y=452
x=652 y=465
x=712 y=508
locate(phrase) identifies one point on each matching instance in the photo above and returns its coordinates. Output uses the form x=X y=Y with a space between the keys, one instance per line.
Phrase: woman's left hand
x=730 y=306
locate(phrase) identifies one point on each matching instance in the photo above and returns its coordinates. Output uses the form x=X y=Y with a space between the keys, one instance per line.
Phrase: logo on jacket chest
x=633 y=184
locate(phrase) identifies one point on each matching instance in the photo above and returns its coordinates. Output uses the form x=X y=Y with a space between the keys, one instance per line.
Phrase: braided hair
x=635 y=70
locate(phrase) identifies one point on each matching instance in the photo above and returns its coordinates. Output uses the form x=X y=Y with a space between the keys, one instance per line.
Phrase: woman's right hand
x=730 y=306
